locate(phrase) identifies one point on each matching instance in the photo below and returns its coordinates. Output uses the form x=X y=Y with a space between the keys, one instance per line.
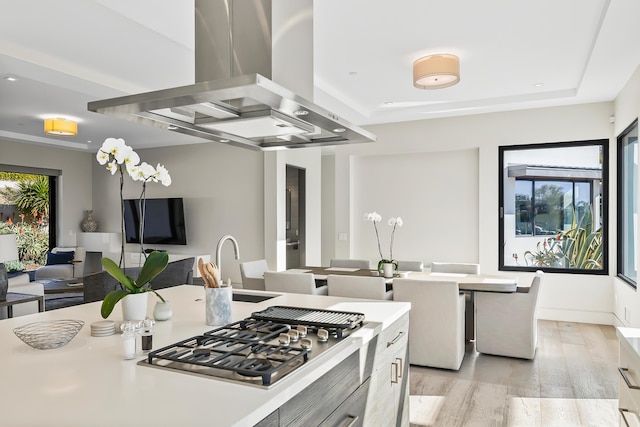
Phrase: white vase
x=388 y=269
x=162 y=311
x=134 y=306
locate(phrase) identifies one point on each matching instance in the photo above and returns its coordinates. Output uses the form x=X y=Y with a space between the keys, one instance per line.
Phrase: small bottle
x=128 y=340
x=146 y=334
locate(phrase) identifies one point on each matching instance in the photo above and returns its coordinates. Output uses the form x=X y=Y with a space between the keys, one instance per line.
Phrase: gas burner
x=253 y=350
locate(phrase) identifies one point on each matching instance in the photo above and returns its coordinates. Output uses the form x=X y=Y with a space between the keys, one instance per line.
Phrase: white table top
x=472 y=282
x=87 y=382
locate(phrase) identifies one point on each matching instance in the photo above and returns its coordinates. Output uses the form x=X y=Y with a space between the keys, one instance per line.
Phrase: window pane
x=553 y=207
x=628 y=205
x=524 y=217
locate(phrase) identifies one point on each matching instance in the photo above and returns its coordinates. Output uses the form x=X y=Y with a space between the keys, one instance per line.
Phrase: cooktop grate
x=310 y=317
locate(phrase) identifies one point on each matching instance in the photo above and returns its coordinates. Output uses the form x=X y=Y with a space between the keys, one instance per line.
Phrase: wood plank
x=572 y=381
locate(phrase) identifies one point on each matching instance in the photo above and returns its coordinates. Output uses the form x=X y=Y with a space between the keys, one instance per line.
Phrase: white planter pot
x=387 y=270
x=162 y=311
x=134 y=306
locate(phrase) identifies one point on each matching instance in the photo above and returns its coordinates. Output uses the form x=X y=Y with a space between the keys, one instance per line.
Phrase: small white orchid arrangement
x=115 y=153
x=393 y=222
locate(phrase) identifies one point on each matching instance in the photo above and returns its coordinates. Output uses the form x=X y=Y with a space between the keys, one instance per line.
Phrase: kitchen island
x=88 y=382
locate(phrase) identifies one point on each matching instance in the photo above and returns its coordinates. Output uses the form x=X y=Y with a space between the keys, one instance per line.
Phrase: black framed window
x=627 y=232
x=552 y=213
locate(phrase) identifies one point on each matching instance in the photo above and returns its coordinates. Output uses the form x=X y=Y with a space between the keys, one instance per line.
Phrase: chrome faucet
x=219 y=254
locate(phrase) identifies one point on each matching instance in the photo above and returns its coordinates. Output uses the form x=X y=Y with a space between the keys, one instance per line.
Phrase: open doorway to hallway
x=295 y=216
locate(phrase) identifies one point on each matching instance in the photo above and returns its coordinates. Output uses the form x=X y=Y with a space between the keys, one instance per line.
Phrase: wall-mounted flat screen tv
x=164 y=222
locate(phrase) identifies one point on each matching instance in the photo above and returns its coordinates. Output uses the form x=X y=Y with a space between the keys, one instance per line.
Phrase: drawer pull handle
x=351 y=420
x=624 y=413
x=399 y=364
x=396 y=339
x=623 y=372
x=394 y=373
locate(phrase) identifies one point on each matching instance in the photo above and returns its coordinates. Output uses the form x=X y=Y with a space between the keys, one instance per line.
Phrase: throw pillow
x=60 y=257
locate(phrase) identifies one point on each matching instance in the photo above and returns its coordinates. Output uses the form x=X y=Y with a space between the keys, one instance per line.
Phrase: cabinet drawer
x=351 y=412
x=629 y=419
x=629 y=381
x=391 y=336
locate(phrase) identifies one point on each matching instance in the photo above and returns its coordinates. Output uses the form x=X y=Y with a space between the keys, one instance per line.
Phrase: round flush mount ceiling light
x=60 y=127
x=436 y=71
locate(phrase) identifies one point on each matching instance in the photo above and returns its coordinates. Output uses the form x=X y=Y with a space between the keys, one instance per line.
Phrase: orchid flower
x=393 y=222
x=113 y=153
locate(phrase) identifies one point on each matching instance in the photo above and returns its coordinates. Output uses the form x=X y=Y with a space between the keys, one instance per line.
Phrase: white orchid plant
x=114 y=153
x=394 y=222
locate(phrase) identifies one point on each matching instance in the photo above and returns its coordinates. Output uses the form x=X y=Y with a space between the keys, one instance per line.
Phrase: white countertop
x=87 y=382
x=630 y=337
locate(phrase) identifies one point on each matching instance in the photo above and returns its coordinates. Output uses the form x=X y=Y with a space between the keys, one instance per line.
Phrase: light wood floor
x=573 y=381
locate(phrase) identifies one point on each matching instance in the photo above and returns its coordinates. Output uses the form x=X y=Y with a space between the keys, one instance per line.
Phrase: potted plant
x=155 y=263
x=386 y=266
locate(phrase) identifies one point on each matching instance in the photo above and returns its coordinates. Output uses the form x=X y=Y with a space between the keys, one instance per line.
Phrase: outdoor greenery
x=32 y=239
x=579 y=247
x=32 y=195
x=31 y=199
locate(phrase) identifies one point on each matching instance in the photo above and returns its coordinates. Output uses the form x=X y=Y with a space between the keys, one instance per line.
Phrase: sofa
x=22 y=284
x=68 y=270
x=98 y=285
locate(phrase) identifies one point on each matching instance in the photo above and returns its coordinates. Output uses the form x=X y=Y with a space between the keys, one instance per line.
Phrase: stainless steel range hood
x=234 y=102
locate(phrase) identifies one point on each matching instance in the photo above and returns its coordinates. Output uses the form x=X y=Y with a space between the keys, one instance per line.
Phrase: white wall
x=222 y=187
x=627 y=109
x=275 y=181
x=436 y=195
x=564 y=296
x=74 y=185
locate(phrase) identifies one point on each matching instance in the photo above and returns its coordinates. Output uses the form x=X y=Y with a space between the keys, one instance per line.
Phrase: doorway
x=295 y=226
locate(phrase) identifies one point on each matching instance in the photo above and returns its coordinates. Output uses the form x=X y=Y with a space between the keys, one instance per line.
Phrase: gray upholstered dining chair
x=461 y=268
x=351 y=263
x=507 y=323
x=252 y=273
x=366 y=287
x=295 y=283
x=410 y=266
x=455 y=267
x=436 y=321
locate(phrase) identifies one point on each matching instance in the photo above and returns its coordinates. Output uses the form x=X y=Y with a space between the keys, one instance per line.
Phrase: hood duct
x=233 y=100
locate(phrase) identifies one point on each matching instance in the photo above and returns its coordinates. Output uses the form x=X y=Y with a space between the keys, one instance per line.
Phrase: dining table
x=469 y=283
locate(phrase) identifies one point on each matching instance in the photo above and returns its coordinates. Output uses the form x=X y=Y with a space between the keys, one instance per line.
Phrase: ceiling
x=514 y=55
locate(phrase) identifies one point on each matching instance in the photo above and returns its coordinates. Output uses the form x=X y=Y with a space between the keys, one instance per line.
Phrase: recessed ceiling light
x=339 y=130
x=353 y=73
x=388 y=103
x=172 y=127
x=11 y=78
x=538 y=84
x=301 y=112
x=224 y=140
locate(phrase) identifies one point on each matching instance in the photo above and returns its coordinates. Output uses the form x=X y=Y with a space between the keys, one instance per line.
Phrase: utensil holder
x=218 y=305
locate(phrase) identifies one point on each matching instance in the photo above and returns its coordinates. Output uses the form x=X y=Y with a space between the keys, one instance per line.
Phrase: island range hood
x=234 y=101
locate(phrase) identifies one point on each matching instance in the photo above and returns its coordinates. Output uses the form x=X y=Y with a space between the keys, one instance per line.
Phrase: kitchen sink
x=251 y=298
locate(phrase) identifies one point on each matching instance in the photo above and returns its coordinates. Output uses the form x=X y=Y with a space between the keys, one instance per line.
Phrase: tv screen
x=163 y=223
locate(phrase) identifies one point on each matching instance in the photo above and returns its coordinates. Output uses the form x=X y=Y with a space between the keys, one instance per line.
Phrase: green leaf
x=154 y=265
x=110 y=301
x=115 y=272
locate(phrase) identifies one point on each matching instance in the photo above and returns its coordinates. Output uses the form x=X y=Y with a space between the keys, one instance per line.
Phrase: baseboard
x=595 y=317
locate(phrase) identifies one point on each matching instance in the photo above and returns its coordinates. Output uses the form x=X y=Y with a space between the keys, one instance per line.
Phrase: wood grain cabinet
x=388 y=402
x=629 y=382
x=369 y=388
